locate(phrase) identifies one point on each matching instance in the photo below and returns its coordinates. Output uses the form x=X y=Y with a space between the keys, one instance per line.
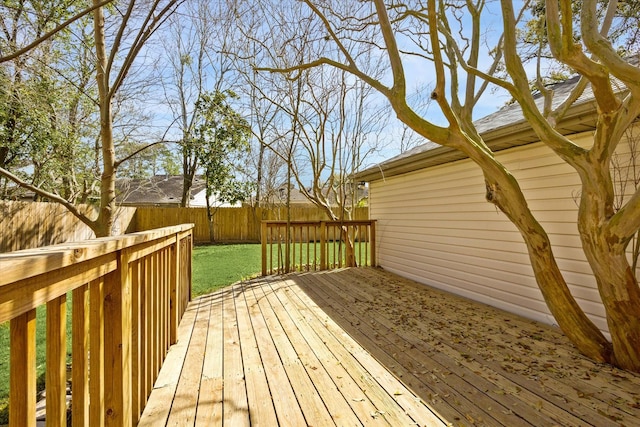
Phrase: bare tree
x=446 y=37
x=120 y=34
x=335 y=124
x=193 y=48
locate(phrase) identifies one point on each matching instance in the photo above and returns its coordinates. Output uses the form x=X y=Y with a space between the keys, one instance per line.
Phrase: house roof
x=506 y=128
x=157 y=190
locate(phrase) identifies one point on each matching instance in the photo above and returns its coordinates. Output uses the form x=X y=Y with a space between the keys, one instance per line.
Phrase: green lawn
x=214 y=267
x=217 y=266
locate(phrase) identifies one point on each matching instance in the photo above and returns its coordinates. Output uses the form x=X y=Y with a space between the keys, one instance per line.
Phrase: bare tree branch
x=53 y=32
x=51 y=196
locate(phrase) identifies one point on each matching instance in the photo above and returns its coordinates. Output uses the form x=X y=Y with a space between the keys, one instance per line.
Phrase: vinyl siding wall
x=435 y=227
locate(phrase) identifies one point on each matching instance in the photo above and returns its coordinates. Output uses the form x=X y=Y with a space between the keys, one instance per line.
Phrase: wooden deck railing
x=128 y=295
x=316 y=245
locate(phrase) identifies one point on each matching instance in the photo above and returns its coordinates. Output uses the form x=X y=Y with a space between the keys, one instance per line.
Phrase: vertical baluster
x=323 y=246
x=279 y=235
x=272 y=247
x=96 y=348
x=309 y=246
x=117 y=338
x=301 y=247
x=174 y=279
x=336 y=252
x=80 y=356
x=157 y=344
x=356 y=246
x=149 y=333
x=142 y=331
x=22 y=376
x=136 y=403
x=372 y=244
x=163 y=304
x=292 y=239
x=366 y=245
x=56 y=374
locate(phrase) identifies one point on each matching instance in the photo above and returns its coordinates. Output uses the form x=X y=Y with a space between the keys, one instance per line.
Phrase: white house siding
x=435 y=227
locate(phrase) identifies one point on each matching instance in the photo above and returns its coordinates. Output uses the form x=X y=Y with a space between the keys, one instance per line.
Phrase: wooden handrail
x=129 y=293
x=316 y=245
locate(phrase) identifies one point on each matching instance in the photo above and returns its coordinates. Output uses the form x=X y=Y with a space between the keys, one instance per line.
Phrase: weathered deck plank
x=313 y=407
x=394 y=400
x=330 y=348
x=531 y=369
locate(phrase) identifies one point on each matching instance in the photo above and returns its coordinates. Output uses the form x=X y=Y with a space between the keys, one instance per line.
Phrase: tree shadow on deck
x=473 y=364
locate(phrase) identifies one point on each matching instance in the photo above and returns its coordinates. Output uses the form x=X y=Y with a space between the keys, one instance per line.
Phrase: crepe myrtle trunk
x=503 y=191
x=618 y=286
x=620 y=295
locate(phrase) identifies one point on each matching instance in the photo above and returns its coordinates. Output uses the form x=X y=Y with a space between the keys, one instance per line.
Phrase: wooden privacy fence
x=128 y=296
x=26 y=225
x=316 y=245
x=230 y=225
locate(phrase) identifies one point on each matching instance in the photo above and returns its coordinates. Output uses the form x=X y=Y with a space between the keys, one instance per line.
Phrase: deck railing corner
x=128 y=295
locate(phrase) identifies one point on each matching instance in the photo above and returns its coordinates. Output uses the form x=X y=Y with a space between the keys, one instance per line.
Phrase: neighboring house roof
x=159 y=190
x=503 y=129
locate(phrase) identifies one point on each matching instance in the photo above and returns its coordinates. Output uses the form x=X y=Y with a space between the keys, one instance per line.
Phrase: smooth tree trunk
x=504 y=191
x=104 y=223
x=620 y=295
x=187 y=183
x=210 y=211
x=605 y=251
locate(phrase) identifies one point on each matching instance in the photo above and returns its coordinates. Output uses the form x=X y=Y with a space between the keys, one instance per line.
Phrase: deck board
x=319 y=383
x=209 y=407
x=362 y=346
x=288 y=414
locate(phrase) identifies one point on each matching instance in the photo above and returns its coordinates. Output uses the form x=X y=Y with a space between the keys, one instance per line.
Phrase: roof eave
x=580 y=118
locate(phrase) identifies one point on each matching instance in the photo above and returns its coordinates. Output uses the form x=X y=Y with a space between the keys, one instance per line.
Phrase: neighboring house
x=435 y=226
x=199 y=200
x=162 y=191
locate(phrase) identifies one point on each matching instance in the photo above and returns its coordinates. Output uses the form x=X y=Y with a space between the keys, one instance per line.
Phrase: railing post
x=263 y=241
x=117 y=337
x=323 y=245
x=22 y=376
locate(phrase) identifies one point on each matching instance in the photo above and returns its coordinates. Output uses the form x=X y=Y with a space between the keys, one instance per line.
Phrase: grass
x=214 y=267
x=217 y=266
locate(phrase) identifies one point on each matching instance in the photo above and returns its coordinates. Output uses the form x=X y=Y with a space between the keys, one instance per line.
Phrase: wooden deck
x=362 y=346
